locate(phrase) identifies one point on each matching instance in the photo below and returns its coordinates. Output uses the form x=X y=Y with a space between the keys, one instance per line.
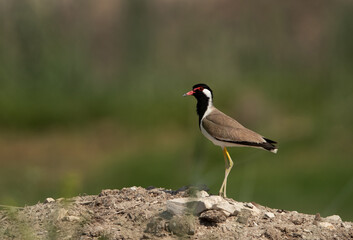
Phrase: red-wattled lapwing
x=223 y=130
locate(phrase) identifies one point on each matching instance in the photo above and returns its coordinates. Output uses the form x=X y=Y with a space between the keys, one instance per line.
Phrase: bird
x=223 y=130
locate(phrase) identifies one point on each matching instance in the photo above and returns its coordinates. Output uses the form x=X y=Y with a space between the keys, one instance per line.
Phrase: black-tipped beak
x=188 y=93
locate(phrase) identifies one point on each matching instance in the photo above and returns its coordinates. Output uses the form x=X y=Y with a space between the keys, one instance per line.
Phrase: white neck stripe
x=209 y=95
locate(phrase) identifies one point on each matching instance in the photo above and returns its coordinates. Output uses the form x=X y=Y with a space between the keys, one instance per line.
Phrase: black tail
x=270 y=145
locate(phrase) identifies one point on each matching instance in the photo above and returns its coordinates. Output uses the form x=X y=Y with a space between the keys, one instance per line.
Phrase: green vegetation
x=90 y=98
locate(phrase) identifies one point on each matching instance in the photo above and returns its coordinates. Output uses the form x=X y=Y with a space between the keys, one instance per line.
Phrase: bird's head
x=200 y=91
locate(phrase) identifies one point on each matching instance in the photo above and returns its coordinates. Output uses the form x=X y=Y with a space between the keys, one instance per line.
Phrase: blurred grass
x=90 y=98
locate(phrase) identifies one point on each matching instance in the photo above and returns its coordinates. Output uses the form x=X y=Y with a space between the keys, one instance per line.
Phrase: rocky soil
x=156 y=213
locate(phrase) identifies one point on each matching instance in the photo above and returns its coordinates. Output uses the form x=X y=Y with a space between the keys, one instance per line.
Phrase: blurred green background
x=90 y=98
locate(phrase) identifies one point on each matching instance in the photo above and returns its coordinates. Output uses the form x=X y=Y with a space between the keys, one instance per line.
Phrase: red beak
x=188 y=93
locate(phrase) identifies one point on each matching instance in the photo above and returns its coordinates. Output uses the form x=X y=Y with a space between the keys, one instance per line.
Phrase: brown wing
x=225 y=128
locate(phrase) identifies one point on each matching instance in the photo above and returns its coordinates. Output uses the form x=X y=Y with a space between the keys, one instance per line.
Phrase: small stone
x=317 y=217
x=226 y=207
x=249 y=205
x=282 y=211
x=253 y=209
x=213 y=216
x=182 y=225
x=326 y=225
x=202 y=194
x=333 y=219
x=134 y=188
x=49 y=200
x=212 y=200
x=269 y=215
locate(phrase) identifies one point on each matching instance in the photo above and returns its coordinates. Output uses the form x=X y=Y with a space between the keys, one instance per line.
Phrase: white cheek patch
x=207 y=93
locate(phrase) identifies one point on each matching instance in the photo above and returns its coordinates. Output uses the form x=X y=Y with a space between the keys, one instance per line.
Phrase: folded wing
x=225 y=128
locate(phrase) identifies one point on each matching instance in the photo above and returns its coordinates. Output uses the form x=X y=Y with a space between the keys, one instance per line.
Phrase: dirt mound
x=155 y=213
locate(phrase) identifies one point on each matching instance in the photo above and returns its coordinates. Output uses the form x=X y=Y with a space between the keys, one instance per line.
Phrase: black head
x=199 y=93
x=204 y=97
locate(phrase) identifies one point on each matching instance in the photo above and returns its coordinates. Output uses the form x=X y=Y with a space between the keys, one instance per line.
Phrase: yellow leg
x=221 y=191
x=228 y=166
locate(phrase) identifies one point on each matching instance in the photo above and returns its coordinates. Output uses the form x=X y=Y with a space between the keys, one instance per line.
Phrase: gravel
x=138 y=213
